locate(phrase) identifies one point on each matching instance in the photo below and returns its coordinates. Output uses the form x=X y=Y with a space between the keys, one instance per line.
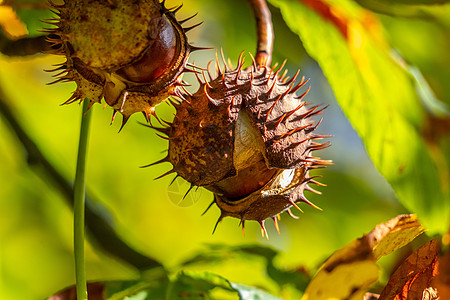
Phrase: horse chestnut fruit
x=131 y=53
x=247 y=137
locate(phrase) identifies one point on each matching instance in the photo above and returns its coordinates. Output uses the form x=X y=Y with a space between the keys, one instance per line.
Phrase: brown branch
x=99 y=226
x=264 y=30
x=24 y=46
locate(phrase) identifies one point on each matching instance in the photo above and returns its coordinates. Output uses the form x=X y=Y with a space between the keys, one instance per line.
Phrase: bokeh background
x=36 y=256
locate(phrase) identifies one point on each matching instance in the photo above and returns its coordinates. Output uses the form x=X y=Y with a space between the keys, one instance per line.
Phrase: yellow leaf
x=349 y=271
x=387 y=237
x=345 y=275
x=10 y=23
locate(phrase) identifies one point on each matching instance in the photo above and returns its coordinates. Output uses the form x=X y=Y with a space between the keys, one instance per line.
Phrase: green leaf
x=135 y=290
x=413 y=2
x=198 y=285
x=195 y=285
x=203 y=281
x=186 y=286
x=119 y=290
x=251 y=293
x=219 y=253
x=379 y=99
x=434 y=105
x=435 y=10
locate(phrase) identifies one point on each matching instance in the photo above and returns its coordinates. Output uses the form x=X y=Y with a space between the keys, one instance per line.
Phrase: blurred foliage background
x=36 y=256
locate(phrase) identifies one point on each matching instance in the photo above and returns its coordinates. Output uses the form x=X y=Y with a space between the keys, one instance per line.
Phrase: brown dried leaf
x=351 y=270
x=412 y=280
x=442 y=281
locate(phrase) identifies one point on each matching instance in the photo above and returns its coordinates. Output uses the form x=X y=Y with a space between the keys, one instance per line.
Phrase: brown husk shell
x=240 y=134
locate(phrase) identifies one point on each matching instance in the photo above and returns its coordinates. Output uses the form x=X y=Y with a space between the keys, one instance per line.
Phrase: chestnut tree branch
x=264 y=30
x=24 y=46
x=99 y=225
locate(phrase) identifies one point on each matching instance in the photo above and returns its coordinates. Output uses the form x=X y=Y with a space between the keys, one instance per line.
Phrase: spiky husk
x=248 y=137
x=110 y=45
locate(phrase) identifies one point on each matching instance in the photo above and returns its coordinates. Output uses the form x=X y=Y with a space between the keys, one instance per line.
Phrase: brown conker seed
x=156 y=58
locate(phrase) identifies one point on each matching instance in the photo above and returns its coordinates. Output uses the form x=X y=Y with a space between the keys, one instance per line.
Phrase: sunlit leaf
x=349 y=271
x=387 y=237
x=378 y=97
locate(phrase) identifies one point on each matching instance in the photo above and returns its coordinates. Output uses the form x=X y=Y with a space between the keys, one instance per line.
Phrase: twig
x=24 y=46
x=264 y=30
x=100 y=228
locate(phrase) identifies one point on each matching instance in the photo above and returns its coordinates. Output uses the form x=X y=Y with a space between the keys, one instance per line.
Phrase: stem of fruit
x=79 y=203
x=264 y=30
